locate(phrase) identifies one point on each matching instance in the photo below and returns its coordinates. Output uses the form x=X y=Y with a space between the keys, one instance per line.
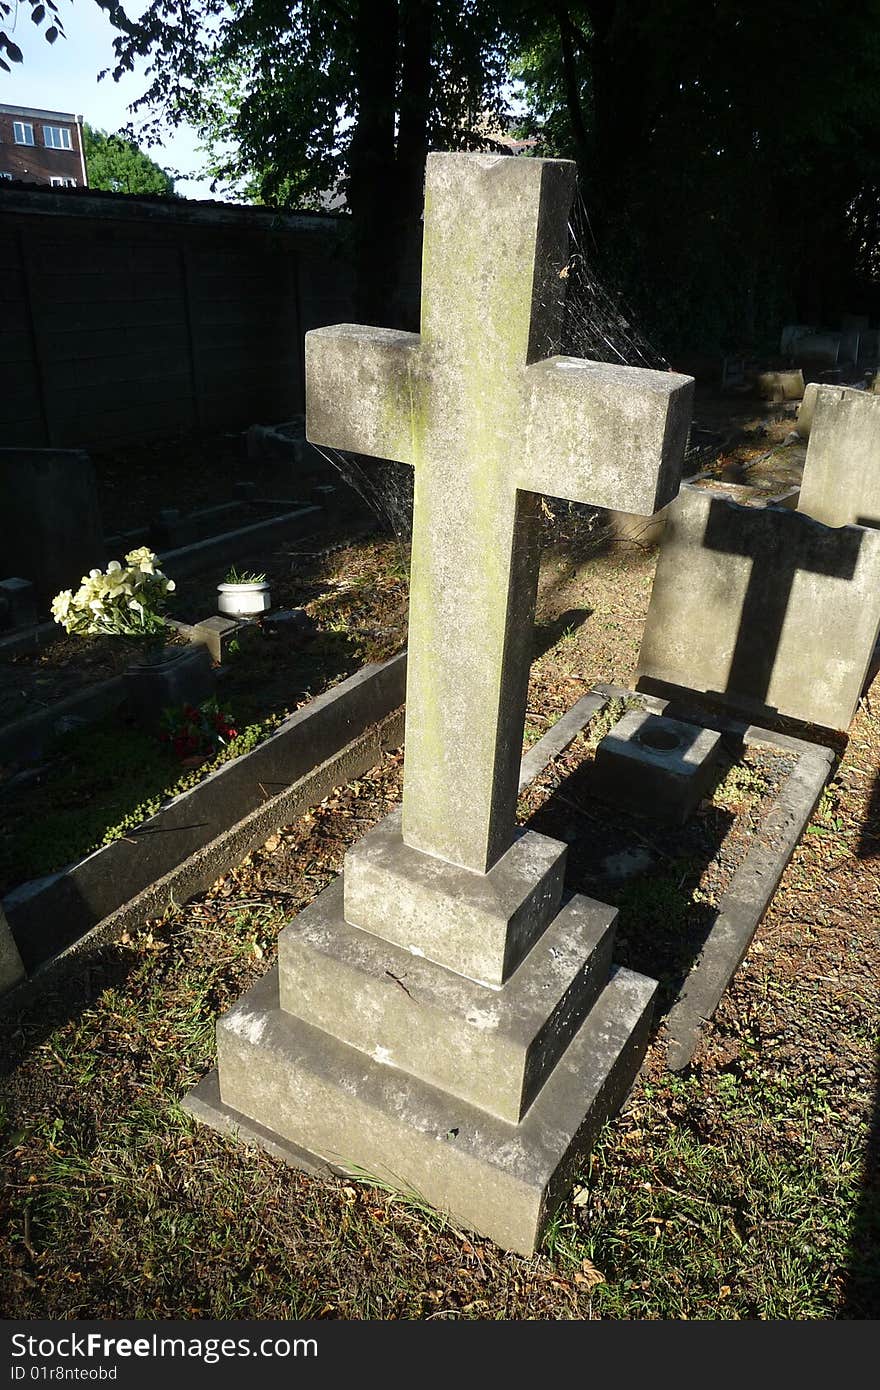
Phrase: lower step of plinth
x=303 y=1095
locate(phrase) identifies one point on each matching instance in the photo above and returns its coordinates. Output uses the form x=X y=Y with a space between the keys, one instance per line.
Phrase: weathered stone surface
x=487 y=425
x=480 y=925
x=50 y=525
x=217 y=634
x=841 y=484
x=11 y=967
x=817 y=349
x=655 y=765
x=792 y=333
x=184 y=675
x=807 y=407
x=491 y=1047
x=335 y=1104
x=764 y=609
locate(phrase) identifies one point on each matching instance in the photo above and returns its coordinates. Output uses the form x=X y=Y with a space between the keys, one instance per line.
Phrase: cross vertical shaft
x=488 y=420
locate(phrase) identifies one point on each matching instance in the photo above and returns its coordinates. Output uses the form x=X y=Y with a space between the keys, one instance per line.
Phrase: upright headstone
x=50 y=524
x=841 y=483
x=439 y=1019
x=764 y=610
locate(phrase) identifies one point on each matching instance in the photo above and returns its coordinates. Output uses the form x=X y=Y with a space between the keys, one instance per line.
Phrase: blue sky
x=64 y=77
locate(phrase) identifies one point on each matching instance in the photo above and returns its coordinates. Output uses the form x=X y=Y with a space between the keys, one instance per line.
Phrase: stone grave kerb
x=489 y=419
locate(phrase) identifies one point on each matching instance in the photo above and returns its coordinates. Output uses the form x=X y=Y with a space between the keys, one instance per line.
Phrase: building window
x=22 y=133
x=4 y=175
x=63 y=183
x=56 y=137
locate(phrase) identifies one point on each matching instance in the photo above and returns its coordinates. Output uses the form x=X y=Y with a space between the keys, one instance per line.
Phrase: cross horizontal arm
x=361 y=390
x=608 y=435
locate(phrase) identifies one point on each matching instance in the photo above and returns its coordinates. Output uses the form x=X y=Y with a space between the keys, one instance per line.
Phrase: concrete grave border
x=755 y=880
x=375 y=693
x=192 y=840
x=368 y=708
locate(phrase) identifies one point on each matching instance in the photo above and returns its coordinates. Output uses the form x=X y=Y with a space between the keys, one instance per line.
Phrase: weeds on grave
x=235 y=576
x=609 y=715
x=741 y=786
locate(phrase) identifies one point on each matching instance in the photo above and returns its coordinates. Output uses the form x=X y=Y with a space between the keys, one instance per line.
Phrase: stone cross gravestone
x=440 y=1019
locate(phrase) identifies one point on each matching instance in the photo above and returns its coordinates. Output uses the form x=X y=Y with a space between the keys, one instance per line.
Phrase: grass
x=736 y=1190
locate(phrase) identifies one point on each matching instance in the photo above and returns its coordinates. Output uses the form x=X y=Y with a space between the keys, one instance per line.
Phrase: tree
x=728 y=153
x=45 y=14
x=39 y=11
x=119 y=166
x=310 y=96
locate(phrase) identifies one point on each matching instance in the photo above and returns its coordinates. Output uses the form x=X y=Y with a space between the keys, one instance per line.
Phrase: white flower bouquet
x=122 y=601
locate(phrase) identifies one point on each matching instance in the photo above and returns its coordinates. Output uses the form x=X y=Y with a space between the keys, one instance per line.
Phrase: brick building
x=41 y=146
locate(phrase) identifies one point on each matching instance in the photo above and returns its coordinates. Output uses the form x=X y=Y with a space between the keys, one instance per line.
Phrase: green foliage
x=86 y=804
x=741 y=785
x=234 y=576
x=279 y=90
x=40 y=12
x=118 y=166
x=728 y=155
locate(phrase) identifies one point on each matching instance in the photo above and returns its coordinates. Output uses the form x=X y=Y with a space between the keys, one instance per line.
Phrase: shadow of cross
x=780 y=544
x=488 y=420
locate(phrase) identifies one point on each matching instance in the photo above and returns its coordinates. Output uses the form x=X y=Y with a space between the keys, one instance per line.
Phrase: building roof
x=39 y=114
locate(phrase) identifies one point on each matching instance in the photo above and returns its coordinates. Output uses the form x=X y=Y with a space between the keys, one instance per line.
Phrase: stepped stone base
x=319 y=1103
x=480 y=925
x=491 y=1047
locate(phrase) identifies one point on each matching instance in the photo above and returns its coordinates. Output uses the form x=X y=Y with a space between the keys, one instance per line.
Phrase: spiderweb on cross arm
x=596 y=325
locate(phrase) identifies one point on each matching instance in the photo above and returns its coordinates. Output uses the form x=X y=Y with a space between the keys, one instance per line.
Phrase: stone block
x=218 y=634
x=335 y=1107
x=290 y=625
x=18 y=603
x=11 y=968
x=179 y=676
x=792 y=333
x=170 y=529
x=655 y=765
x=780 y=386
x=841 y=483
x=479 y=925
x=491 y=1047
x=50 y=525
x=763 y=609
x=600 y=423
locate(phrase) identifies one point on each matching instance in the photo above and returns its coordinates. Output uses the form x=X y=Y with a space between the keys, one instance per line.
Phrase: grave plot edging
x=49 y=914
x=755 y=881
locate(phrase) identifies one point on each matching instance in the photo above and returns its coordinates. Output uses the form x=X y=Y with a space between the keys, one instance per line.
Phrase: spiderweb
x=596 y=325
